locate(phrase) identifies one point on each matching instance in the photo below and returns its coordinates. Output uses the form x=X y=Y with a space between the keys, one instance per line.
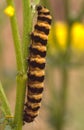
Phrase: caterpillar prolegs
x=36 y=61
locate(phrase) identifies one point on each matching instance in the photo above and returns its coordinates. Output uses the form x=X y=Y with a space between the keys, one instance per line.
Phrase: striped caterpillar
x=36 y=60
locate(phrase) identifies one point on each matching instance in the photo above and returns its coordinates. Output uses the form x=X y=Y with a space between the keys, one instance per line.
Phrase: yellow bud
x=9 y=11
x=77 y=36
x=61 y=30
x=58 y=35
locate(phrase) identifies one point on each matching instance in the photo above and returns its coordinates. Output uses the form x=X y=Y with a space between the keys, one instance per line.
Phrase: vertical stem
x=18 y=51
x=81 y=12
x=4 y=101
x=68 y=21
x=66 y=6
x=64 y=73
x=20 y=95
x=18 y=120
x=17 y=42
x=27 y=18
x=63 y=98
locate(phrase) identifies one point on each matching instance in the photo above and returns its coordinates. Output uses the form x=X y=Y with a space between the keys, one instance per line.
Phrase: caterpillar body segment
x=37 y=61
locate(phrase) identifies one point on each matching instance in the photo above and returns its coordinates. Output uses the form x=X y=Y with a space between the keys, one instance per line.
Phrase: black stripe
x=28 y=117
x=42 y=28
x=35 y=51
x=33 y=109
x=33 y=100
x=45 y=13
x=30 y=107
x=31 y=116
x=38 y=8
x=36 y=78
x=43 y=18
x=35 y=64
x=38 y=39
x=35 y=90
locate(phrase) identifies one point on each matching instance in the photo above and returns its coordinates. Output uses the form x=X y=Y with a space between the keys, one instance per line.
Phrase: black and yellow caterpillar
x=36 y=60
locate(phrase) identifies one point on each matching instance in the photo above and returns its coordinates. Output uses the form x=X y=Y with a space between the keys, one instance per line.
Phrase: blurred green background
x=63 y=97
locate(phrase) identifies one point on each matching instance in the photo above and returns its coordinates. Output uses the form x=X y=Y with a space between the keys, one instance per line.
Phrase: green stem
x=27 y=18
x=64 y=72
x=81 y=13
x=18 y=120
x=63 y=98
x=66 y=6
x=20 y=95
x=16 y=38
x=4 y=101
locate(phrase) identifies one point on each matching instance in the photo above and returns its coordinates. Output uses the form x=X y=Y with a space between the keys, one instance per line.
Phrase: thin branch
x=81 y=13
x=27 y=24
x=4 y=102
x=17 y=42
x=67 y=9
x=20 y=95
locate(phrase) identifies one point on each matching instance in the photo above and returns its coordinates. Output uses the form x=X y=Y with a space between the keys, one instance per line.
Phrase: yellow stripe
x=46 y=16
x=32 y=113
x=43 y=36
x=44 y=10
x=37 y=73
x=40 y=48
x=36 y=85
x=37 y=97
x=42 y=24
x=38 y=60
x=33 y=105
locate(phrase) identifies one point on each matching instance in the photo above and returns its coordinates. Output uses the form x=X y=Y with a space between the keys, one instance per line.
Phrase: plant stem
x=81 y=13
x=66 y=6
x=4 y=101
x=64 y=73
x=27 y=18
x=16 y=38
x=63 y=98
x=18 y=120
x=21 y=82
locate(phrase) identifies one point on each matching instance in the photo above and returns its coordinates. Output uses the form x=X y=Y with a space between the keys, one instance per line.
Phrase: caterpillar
x=36 y=61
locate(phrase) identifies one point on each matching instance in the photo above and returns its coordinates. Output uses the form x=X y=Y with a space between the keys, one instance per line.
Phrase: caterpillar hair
x=36 y=61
